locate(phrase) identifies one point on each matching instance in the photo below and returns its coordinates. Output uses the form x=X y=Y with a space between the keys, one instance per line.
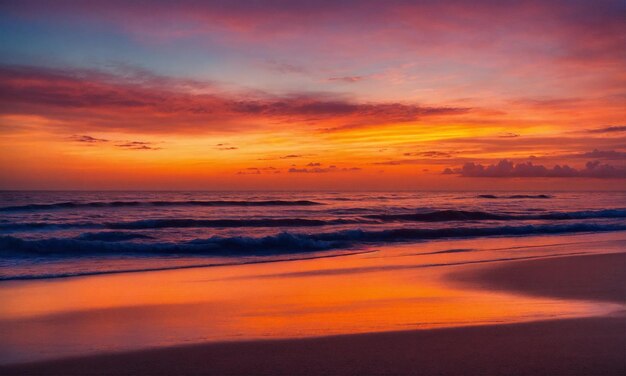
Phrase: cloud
x=610 y=129
x=347 y=79
x=314 y=164
x=129 y=145
x=603 y=154
x=259 y=170
x=309 y=170
x=249 y=172
x=582 y=31
x=320 y=170
x=427 y=157
x=508 y=169
x=87 y=139
x=556 y=146
x=284 y=67
x=508 y=135
x=419 y=161
x=225 y=147
x=430 y=154
x=289 y=156
x=138 y=145
x=98 y=100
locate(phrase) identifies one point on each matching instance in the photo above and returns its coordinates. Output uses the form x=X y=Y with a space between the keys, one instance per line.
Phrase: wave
x=463 y=215
x=515 y=196
x=182 y=223
x=25 y=226
x=432 y=216
x=80 y=273
x=114 y=204
x=441 y=216
x=148 y=224
x=284 y=242
x=587 y=214
x=112 y=236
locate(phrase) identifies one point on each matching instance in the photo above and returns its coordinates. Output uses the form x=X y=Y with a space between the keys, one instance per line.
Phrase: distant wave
x=112 y=236
x=270 y=222
x=25 y=226
x=432 y=216
x=514 y=196
x=440 y=216
x=463 y=215
x=276 y=244
x=587 y=214
x=113 y=204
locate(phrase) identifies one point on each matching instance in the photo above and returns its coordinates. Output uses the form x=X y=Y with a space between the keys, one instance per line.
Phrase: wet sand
x=595 y=277
x=585 y=346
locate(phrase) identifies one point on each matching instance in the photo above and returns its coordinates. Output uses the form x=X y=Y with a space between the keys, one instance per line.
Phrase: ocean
x=62 y=234
x=99 y=272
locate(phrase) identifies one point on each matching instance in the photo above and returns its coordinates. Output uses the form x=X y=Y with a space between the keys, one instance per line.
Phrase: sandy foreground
x=585 y=346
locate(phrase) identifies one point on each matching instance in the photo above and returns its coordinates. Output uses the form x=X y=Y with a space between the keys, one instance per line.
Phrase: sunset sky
x=313 y=95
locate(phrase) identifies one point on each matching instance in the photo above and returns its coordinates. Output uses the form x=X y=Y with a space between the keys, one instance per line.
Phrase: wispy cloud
x=430 y=154
x=321 y=170
x=610 y=129
x=225 y=147
x=284 y=67
x=138 y=145
x=602 y=154
x=347 y=79
x=508 y=135
x=87 y=139
x=259 y=170
x=128 y=145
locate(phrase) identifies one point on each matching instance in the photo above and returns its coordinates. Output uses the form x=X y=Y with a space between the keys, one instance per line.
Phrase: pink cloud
x=99 y=100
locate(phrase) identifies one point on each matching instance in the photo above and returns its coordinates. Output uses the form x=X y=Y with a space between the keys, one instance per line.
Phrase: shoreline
x=567 y=346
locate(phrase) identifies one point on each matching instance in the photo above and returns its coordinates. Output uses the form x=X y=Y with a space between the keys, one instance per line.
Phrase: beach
x=435 y=283
x=566 y=346
x=313 y=187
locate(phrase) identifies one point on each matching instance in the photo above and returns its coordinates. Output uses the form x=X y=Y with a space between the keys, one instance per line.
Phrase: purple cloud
x=603 y=154
x=508 y=169
x=87 y=139
x=134 y=102
x=137 y=145
x=610 y=129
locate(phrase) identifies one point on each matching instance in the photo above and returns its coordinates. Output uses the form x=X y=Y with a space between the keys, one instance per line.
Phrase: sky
x=313 y=95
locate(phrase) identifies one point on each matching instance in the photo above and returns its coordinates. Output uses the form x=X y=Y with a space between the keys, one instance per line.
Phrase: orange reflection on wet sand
x=395 y=288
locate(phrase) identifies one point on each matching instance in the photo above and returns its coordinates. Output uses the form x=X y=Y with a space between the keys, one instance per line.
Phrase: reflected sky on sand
x=391 y=288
